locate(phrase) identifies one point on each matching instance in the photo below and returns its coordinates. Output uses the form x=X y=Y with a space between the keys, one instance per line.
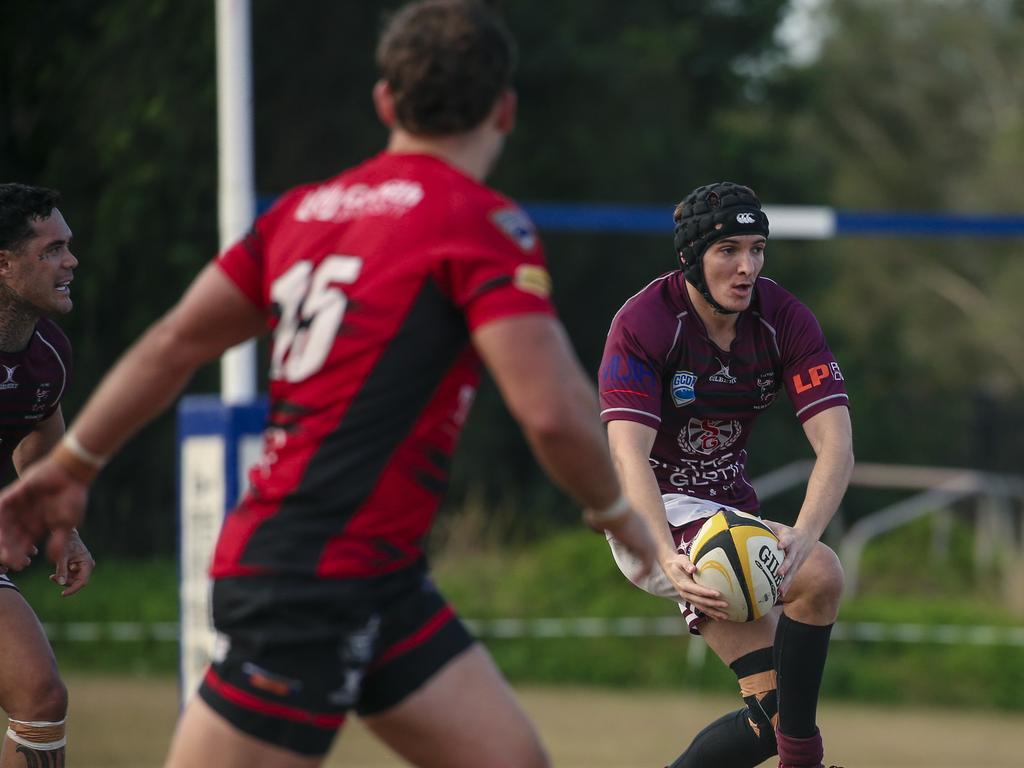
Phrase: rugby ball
x=737 y=554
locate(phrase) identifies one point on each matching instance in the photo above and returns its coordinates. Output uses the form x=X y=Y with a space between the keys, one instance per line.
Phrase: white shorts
x=685 y=515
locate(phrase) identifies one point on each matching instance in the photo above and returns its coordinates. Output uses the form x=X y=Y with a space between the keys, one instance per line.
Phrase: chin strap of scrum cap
x=710 y=213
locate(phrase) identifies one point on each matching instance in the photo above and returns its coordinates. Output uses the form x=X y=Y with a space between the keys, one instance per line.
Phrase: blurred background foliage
x=898 y=105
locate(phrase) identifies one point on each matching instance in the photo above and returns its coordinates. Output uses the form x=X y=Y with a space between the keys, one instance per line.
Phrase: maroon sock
x=800 y=753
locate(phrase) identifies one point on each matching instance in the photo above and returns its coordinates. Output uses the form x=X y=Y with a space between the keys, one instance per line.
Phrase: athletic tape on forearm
x=94 y=460
x=81 y=470
x=610 y=514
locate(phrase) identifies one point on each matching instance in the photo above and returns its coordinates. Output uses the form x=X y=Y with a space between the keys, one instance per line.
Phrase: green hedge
x=571 y=574
x=124 y=590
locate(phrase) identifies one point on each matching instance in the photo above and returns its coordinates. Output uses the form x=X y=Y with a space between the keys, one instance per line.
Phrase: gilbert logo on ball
x=737 y=554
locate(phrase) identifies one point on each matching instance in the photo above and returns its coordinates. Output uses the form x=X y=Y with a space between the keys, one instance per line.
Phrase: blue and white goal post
x=217 y=444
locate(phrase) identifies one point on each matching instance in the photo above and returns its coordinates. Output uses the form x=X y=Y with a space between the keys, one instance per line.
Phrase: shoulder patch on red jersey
x=516 y=225
x=534 y=279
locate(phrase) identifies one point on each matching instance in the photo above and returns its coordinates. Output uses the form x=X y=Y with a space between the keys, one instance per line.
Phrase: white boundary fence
x=584 y=628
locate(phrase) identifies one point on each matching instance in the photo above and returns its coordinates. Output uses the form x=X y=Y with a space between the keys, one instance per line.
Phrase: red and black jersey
x=32 y=383
x=371 y=283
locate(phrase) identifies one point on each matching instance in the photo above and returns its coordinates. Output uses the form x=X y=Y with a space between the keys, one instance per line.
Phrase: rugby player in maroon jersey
x=690 y=362
x=36 y=269
x=384 y=288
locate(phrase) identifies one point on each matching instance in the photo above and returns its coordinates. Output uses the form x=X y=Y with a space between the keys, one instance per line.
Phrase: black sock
x=746 y=737
x=800 y=653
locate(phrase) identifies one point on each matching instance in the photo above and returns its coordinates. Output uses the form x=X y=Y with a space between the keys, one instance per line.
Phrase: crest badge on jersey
x=706 y=436
x=682 y=388
x=517 y=226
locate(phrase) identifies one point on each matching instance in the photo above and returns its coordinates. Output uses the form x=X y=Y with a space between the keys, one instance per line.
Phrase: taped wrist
x=81 y=470
x=39 y=735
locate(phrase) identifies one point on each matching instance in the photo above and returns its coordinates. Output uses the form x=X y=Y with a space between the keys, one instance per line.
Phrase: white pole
x=236 y=186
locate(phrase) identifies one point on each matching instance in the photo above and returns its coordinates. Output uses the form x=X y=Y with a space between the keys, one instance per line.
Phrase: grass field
x=120 y=722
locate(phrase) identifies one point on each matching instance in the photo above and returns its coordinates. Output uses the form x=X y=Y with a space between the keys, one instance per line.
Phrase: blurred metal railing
x=939 y=487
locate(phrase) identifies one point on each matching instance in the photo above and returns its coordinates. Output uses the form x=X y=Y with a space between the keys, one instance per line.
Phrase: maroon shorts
x=301 y=654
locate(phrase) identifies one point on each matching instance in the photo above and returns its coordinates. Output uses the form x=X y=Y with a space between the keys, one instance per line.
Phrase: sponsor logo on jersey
x=626 y=371
x=745 y=218
x=815 y=375
x=534 y=279
x=8 y=377
x=517 y=226
x=682 y=388
x=707 y=436
x=723 y=376
x=338 y=202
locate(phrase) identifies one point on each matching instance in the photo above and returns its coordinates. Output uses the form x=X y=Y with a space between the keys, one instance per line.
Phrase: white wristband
x=94 y=460
x=610 y=514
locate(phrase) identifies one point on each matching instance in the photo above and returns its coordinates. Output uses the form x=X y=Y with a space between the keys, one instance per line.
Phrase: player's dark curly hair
x=20 y=205
x=446 y=62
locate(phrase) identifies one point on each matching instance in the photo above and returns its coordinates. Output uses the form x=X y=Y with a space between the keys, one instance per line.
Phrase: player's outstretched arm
x=549 y=395
x=211 y=317
x=631 y=443
x=831 y=436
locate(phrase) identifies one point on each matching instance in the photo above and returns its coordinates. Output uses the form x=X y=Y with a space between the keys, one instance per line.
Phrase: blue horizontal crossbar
x=657 y=220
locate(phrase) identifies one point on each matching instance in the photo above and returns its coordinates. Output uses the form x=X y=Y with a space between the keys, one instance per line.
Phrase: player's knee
x=44 y=700
x=819 y=583
x=828 y=575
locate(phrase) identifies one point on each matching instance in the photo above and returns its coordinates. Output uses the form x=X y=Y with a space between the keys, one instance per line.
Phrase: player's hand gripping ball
x=738 y=555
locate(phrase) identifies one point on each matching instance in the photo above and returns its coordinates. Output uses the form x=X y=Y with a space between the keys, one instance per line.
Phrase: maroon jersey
x=32 y=383
x=371 y=282
x=661 y=369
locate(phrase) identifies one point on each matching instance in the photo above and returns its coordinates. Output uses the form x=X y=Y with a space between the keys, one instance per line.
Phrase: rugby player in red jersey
x=384 y=288
x=36 y=270
x=690 y=362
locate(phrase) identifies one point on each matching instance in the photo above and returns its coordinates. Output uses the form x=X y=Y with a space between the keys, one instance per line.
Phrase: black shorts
x=300 y=654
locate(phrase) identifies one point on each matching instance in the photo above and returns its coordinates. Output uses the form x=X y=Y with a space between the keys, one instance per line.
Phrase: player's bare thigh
x=203 y=737
x=732 y=639
x=30 y=686
x=463 y=717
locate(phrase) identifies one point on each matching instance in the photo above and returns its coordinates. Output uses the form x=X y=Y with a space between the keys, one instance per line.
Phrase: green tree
x=113 y=104
x=922 y=105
